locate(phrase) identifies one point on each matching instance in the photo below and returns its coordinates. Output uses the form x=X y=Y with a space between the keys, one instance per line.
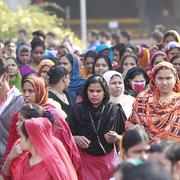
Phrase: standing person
x=58 y=84
x=95 y=124
x=175 y=60
x=11 y=101
x=88 y=62
x=101 y=65
x=128 y=61
x=44 y=158
x=37 y=53
x=118 y=52
x=35 y=90
x=23 y=53
x=14 y=74
x=70 y=63
x=136 y=81
x=115 y=83
x=169 y=36
x=172 y=49
x=43 y=68
x=135 y=144
x=92 y=40
x=157 y=108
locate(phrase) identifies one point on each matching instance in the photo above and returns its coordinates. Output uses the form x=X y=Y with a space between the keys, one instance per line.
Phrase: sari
x=60 y=127
x=126 y=101
x=160 y=120
x=55 y=163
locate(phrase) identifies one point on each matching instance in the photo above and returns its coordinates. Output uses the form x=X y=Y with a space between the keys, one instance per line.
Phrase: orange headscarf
x=40 y=88
x=45 y=62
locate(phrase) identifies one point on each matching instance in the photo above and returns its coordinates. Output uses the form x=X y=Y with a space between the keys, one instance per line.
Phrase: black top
x=65 y=107
x=112 y=117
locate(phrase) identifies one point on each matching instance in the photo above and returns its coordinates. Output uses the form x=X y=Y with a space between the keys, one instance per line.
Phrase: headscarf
x=161 y=121
x=126 y=101
x=173 y=32
x=16 y=81
x=169 y=66
x=76 y=81
x=45 y=62
x=53 y=153
x=40 y=88
x=100 y=48
x=171 y=45
x=19 y=49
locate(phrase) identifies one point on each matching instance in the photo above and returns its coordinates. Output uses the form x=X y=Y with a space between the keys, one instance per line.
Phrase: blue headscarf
x=103 y=47
x=76 y=81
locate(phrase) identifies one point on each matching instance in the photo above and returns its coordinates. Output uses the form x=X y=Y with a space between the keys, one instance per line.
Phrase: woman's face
x=101 y=67
x=95 y=94
x=88 y=64
x=64 y=62
x=24 y=143
x=44 y=75
x=19 y=123
x=165 y=81
x=158 y=59
x=29 y=93
x=38 y=54
x=24 y=57
x=115 y=86
x=13 y=69
x=129 y=63
x=138 y=151
x=116 y=55
x=138 y=83
x=168 y=39
x=173 y=52
x=176 y=64
x=61 y=52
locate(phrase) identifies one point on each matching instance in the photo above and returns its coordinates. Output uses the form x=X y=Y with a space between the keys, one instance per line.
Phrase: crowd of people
x=110 y=112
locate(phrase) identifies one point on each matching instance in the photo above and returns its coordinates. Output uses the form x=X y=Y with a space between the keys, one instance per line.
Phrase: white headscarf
x=126 y=101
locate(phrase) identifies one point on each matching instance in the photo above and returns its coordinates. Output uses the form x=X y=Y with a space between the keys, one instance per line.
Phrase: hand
x=82 y=142
x=15 y=152
x=111 y=136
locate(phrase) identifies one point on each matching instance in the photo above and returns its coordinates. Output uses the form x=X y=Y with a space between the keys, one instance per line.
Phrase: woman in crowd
x=35 y=90
x=70 y=63
x=170 y=35
x=172 y=49
x=14 y=74
x=23 y=53
x=58 y=84
x=116 y=88
x=11 y=101
x=118 y=52
x=88 y=62
x=175 y=60
x=157 y=108
x=101 y=65
x=135 y=144
x=128 y=61
x=45 y=156
x=37 y=53
x=43 y=68
x=156 y=58
x=95 y=124
x=135 y=81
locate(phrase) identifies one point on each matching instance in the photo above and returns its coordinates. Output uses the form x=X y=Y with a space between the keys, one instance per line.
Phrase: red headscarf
x=54 y=156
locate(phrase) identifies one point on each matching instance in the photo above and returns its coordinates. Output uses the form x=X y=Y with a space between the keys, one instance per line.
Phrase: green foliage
x=33 y=18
